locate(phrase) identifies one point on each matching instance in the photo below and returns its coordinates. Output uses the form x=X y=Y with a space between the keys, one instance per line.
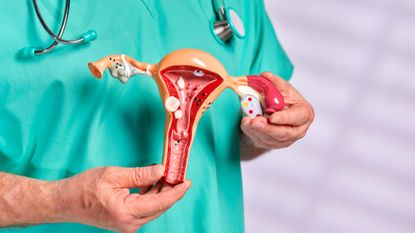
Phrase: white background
x=355 y=170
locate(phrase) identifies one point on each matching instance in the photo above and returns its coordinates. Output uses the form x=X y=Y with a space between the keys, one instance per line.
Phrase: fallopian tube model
x=189 y=80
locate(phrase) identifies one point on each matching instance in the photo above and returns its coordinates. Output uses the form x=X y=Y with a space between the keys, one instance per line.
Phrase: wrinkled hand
x=282 y=128
x=101 y=197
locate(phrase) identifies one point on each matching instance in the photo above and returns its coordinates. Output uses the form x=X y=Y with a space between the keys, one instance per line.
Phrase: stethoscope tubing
x=222 y=28
x=63 y=24
x=57 y=38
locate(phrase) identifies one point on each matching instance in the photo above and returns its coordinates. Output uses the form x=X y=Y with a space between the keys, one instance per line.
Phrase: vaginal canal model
x=189 y=80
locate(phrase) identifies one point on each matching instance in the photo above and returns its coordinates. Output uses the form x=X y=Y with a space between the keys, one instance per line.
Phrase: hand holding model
x=99 y=197
x=280 y=129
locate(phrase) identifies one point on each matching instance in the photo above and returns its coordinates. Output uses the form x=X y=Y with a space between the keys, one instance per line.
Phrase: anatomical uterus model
x=189 y=80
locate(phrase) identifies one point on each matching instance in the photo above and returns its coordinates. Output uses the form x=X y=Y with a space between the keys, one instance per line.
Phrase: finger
x=156 y=188
x=262 y=141
x=145 y=189
x=298 y=114
x=153 y=204
x=166 y=187
x=250 y=126
x=286 y=133
x=147 y=219
x=268 y=136
x=269 y=140
x=139 y=176
x=272 y=143
x=245 y=120
x=267 y=133
x=254 y=129
x=255 y=138
x=245 y=126
x=258 y=123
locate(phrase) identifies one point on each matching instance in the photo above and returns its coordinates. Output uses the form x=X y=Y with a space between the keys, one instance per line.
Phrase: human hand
x=282 y=128
x=100 y=197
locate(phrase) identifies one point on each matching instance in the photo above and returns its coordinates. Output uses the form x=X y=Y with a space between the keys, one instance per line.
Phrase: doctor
x=71 y=148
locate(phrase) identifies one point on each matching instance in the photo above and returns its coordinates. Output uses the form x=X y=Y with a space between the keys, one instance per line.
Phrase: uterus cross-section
x=189 y=81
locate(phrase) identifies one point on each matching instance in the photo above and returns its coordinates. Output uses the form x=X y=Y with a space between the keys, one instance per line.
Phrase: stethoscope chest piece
x=230 y=24
x=236 y=23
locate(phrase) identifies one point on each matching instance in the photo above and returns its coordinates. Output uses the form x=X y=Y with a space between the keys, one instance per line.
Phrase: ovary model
x=189 y=80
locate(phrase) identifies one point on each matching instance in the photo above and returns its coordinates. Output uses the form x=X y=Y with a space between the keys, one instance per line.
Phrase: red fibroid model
x=189 y=80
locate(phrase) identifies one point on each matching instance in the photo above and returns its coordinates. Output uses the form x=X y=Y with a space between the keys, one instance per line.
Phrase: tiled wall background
x=355 y=170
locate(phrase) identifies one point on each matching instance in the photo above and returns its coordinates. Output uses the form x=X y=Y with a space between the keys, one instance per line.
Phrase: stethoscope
x=35 y=51
x=226 y=24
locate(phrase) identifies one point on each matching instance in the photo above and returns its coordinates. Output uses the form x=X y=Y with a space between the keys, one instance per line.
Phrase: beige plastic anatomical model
x=189 y=80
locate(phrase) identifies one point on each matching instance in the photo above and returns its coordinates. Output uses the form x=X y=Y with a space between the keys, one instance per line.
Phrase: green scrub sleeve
x=268 y=52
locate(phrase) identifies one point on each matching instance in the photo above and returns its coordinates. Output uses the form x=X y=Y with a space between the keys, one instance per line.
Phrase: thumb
x=140 y=176
x=156 y=203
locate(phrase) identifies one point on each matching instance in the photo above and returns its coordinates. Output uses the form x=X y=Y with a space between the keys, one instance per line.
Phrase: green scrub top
x=56 y=120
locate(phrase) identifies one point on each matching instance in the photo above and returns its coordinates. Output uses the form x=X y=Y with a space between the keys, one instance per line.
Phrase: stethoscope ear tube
x=35 y=51
x=226 y=24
